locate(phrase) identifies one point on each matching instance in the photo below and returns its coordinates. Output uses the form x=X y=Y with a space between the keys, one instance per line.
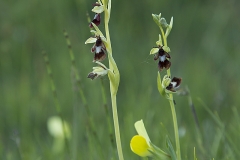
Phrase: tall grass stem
x=56 y=100
x=80 y=90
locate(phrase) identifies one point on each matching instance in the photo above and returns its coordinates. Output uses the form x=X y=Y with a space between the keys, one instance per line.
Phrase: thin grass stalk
x=56 y=100
x=81 y=93
x=221 y=125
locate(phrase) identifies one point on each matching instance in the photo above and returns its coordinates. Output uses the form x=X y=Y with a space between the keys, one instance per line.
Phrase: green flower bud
x=156 y=19
x=163 y=23
x=166 y=49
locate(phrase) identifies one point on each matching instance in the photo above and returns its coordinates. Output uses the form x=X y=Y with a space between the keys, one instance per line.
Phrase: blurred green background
x=205 y=49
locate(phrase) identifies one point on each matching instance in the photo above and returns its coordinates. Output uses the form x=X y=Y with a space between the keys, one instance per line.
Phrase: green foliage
x=204 y=43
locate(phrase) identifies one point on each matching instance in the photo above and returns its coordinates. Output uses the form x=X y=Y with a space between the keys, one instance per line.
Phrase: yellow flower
x=140 y=144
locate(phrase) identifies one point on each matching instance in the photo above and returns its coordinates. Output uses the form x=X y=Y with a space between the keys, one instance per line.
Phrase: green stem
x=114 y=82
x=175 y=127
x=164 y=37
x=172 y=105
x=116 y=126
x=169 y=72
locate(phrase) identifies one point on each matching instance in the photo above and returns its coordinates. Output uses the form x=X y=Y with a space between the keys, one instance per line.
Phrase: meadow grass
x=204 y=47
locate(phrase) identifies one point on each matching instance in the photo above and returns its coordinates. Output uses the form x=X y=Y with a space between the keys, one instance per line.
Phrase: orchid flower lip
x=96 y=20
x=174 y=84
x=99 y=50
x=163 y=57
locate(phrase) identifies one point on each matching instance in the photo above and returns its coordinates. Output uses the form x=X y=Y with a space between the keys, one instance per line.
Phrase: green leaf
x=159 y=154
x=171 y=149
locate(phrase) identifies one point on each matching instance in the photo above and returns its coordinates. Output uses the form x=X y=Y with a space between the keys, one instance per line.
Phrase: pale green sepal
x=99 y=1
x=156 y=19
x=98 y=32
x=100 y=71
x=163 y=23
x=91 y=40
x=166 y=49
x=158 y=153
x=166 y=81
x=169 y=92
x=154 y=50
x=98 y=9
x=93 y=31
x=169 y=28
x=170 y=148
x=159 y=42
x=159 y=16
x=159 y=84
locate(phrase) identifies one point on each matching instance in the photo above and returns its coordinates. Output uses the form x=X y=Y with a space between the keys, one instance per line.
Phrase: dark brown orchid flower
x=99 y=50
x=96 y=20
x=163 y=57
x=174 y=84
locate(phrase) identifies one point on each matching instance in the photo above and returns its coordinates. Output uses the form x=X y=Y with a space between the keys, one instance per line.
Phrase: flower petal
x=139 y=126
x=99 y=56
x=169 y=28
x=154 y=50
x=156 y=19
x=92 y=75
x=91 y=40
x=96 y=20
x=166 y=49
x=140 y=146
x=98 y=9
x=165 y=64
